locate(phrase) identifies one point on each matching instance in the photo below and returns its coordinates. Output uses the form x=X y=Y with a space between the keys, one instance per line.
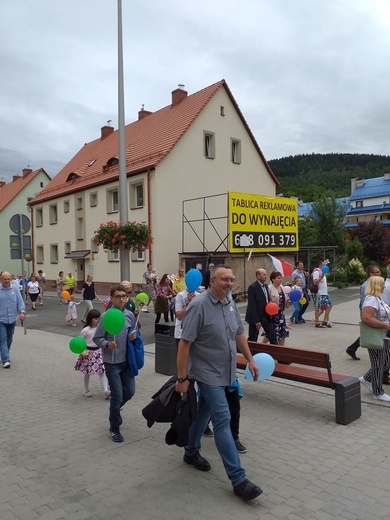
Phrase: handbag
x=371 y=337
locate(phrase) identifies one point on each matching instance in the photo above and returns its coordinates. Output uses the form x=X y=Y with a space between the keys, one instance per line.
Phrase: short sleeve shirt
x=212 y=327
x=322 y=285
x=377 y=303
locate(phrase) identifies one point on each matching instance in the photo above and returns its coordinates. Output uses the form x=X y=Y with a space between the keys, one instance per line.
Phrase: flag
x=281 y=266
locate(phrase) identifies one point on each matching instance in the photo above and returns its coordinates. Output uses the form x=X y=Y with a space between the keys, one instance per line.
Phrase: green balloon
x=130 y=305
x=142 y=298
x=113 y=321
x=77 y=345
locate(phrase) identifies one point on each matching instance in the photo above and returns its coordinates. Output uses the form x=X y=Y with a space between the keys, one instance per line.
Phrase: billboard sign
x=263 y=224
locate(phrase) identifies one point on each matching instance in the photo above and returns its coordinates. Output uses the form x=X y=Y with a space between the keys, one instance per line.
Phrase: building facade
x=14 y=199
x=198 y=146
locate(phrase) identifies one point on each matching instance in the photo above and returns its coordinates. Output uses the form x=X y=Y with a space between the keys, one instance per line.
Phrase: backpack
x=312 y=286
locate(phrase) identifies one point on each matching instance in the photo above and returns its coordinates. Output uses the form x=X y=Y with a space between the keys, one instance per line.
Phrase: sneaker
x=382 y=397
x=208 y=432
x=87 y=393
x=107 y=394
x=366 y=383
x=115 y=434
x=302 y=320
x=240 y=447
x=7 y=364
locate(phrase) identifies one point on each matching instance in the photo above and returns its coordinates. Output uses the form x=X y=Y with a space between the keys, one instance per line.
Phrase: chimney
x=16 y=177
x=178 y=95
x=143 y=113
x=106 y=130
x=2 y=183
x=26 y=171
x=356 y=182
x=386 y=176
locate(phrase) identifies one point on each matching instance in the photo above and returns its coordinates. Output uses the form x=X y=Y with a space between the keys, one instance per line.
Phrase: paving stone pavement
x=57 y=462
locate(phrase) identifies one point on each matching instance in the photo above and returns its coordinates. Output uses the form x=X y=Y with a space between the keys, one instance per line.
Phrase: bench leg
x=348 y=400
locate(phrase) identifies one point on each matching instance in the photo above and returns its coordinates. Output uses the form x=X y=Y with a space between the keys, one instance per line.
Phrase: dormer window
x=113 y=161
x=72 y=177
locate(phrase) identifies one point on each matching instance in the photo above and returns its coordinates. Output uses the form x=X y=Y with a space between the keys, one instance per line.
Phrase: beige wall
x=187 y=174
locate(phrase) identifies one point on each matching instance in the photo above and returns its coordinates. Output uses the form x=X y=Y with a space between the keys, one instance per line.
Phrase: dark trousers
x=354 y=346
x=304 y=307
x=158 y=316
x=233 y=400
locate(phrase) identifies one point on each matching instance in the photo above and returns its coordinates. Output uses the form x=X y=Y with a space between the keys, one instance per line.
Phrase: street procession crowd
x=208 y=332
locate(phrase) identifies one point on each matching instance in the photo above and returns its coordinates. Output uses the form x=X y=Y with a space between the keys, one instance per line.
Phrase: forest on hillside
x=313 y=176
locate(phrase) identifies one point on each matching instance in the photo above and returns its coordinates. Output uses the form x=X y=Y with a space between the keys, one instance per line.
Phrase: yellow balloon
x=302 y=301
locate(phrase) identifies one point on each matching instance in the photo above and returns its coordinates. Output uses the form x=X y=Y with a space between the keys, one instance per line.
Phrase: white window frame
x=39 y=217
x=112 y=204
x=53 y=214
x=138 y=256
x=40 y=254
x=67 y=247
x=80 y=228
x=135 y=200
x=54 y=253
x=235 y=147
x=79 y=203
x=113 y=256
x=209 y=145
x=93 y=199
x=66 y=206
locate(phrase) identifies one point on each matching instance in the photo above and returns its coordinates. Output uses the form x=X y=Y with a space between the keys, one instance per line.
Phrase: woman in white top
x=33 y=291
x=379 y=358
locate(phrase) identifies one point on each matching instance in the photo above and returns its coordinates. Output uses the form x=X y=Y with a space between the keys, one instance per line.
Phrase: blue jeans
x=122 y=387
x=212 y=403
x=295 y=315
x=6 y=335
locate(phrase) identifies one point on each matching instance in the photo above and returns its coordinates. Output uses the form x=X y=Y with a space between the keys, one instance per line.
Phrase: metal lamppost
x=123 y=208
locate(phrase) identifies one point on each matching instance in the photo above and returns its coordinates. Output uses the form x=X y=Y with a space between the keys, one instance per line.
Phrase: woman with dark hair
x=278 y=296
x=88 y=294
x=33 y=290
x=164 y=295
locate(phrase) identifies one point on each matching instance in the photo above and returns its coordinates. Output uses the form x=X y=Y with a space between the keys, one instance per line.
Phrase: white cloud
x=308 y=76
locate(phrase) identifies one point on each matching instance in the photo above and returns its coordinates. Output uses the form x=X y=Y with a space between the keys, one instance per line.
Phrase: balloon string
x=113 y=352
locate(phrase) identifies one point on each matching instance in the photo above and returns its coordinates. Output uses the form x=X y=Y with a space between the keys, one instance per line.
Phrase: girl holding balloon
x=279 y=300
x=90 y=362
x=71 y=315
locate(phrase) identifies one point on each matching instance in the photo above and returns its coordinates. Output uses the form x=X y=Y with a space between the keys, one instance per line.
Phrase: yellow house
x=197 y=147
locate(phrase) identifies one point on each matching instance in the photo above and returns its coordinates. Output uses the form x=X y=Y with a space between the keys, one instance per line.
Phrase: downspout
x=149 y=214
x=32 y=240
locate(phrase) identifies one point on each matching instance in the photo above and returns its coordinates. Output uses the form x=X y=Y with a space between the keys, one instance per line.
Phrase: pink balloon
x=287 y=289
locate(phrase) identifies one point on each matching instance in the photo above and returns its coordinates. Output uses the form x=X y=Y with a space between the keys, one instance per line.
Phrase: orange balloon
x=271 y=308
x=65 y=295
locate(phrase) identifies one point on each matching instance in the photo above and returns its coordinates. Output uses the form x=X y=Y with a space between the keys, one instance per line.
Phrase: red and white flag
x=282 y=266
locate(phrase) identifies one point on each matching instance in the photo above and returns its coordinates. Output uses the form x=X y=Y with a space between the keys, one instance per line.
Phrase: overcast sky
x=309 y=75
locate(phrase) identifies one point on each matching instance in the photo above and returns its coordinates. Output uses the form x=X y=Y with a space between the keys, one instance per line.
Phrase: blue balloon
x=266 y=364
x=193 y=279
x=295 y=295
x=325 y=269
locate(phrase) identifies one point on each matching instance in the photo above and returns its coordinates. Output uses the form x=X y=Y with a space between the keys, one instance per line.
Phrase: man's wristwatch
x=182 y=379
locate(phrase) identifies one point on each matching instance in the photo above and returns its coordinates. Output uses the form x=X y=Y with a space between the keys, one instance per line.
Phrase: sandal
x=319 y=325
x=327 y=324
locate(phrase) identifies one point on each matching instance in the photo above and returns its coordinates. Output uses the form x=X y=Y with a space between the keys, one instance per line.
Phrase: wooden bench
x=314 y=368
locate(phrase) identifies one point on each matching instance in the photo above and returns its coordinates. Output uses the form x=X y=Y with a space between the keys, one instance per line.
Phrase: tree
x=306 y=232
x=375 y=239
x=355 y=249
x=330 y=218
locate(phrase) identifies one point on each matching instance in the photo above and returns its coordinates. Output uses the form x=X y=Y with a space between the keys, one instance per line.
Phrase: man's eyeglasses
x=227 y=279
x=121 y=296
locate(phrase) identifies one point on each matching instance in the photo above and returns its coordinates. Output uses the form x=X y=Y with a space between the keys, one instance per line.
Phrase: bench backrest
x=292 y=355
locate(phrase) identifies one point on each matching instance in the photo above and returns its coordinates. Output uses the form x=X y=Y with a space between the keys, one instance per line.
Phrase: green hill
x=311 y=176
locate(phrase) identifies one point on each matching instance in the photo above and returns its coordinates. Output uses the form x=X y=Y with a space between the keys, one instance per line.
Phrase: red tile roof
x=11 y=189
x=148 y=141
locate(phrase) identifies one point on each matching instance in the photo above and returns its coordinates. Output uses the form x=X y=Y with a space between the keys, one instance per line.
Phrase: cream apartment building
x=180 y=160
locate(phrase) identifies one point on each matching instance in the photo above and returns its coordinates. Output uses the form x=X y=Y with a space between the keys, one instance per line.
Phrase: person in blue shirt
x=12 y=307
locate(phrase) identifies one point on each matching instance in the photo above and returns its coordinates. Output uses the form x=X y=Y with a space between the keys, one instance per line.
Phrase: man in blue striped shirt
x=11 y=308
